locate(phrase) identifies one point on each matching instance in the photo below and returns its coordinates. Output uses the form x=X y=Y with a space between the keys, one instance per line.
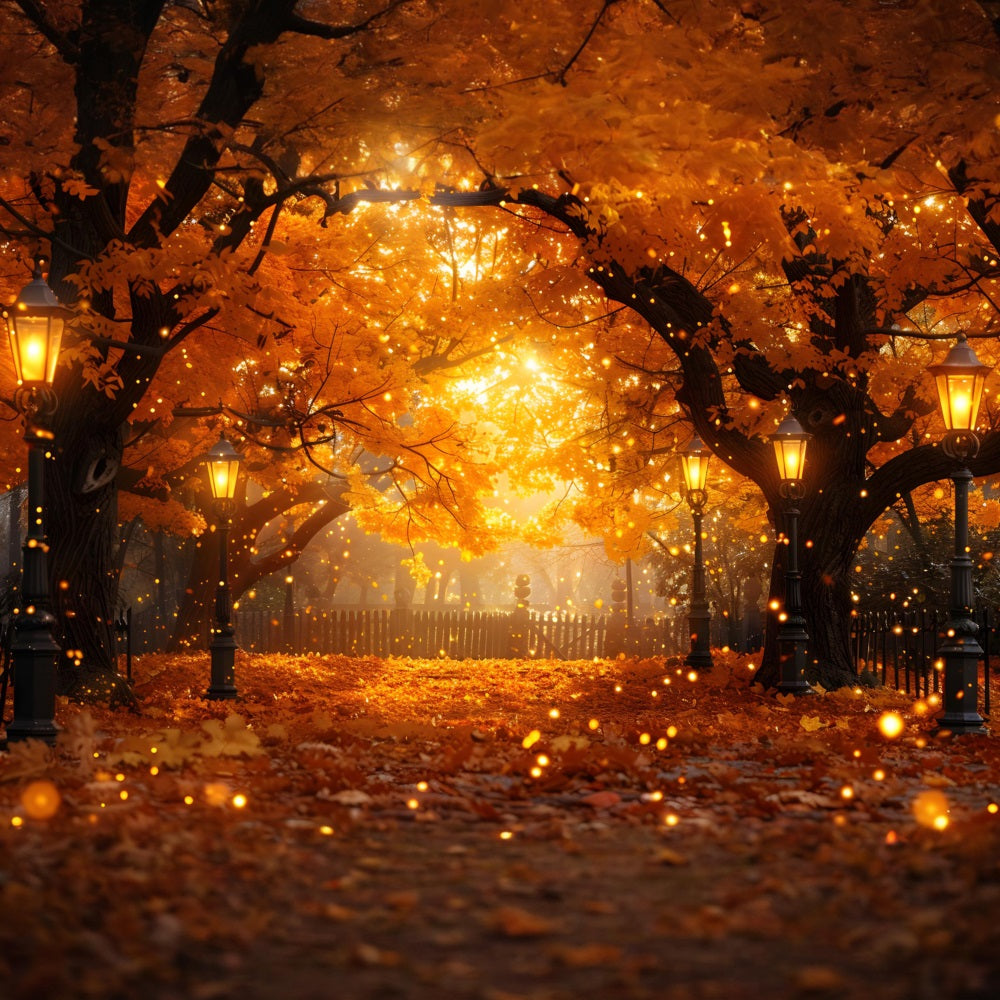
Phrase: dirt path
x=371 y=830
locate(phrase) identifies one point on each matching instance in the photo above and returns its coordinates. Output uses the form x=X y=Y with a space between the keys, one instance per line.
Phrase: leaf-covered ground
x=365 y=828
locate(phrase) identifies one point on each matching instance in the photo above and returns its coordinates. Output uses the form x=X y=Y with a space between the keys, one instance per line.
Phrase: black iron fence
x=900 y=648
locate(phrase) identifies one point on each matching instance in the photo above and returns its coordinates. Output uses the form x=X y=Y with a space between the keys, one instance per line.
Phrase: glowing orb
x=930 y=808
x=890 y=724
x=41 y=799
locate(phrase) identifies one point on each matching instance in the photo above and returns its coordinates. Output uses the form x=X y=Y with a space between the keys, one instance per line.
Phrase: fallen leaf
x=230 y=739
x=812 y=723
x=350 y=797
x=666 y=856
x=512 y=921
x=586 y=956
x=601 y=800
x=818 y=979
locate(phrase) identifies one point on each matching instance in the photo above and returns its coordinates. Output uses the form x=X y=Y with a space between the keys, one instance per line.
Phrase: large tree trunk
x=830 y=530
x=81 y=515
x=194 y=616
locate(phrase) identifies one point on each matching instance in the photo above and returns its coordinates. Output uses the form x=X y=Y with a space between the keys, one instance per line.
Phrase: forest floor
x=506 y=830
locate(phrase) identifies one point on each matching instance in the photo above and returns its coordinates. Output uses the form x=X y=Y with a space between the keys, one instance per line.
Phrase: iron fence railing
x=900 y=648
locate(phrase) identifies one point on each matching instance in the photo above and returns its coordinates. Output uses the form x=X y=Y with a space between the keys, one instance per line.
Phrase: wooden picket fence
x=457 y=634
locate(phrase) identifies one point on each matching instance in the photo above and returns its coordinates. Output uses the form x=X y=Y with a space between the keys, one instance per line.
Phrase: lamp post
x=960 y=379
x=223 y=467
x=35 y=326
x=694 y=465
x=288 y=620
x=790 y=442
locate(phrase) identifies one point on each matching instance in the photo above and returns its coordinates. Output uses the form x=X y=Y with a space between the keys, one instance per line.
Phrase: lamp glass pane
x=960 y=394
x=222 y=478
x=30 y=342
x=695 y=467
x=791 y=455
x=55 y=342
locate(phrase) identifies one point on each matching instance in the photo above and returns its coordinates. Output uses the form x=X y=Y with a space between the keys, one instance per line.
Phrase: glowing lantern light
x=223 y=467
x=35 y=326
x=960 y=379
x=790 y=442
x=694 y=465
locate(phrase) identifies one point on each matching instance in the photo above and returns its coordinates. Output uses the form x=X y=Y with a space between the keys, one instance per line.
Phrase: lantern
x=790 y=442
x=223 y=467
x=35 y=326
x=960 y=379
x=694 y=464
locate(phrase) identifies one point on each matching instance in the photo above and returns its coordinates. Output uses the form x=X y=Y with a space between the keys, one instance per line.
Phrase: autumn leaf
x=174 y=747
x=514 y=922
x=26 y=759
x=812 y=723
x=560 y=744
x=79 y=737
x=350 y=797
x=586 y=956
x=601 y=800
x=231 y=738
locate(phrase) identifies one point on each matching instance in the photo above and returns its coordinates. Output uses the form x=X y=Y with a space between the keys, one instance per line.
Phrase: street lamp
x=289 y=614
x=35 y=327
x=694 y=465
x=790 y=442
x=223 y=463
x=960 y=379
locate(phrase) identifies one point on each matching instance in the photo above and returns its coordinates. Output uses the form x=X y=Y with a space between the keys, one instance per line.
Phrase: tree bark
x=194 y=615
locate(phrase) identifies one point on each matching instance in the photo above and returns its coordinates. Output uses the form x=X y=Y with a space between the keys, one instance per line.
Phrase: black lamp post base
x=221 y=694
x=223 y=676
x=952 y=725
x=796 y=687
x=34 y=655
x=32 y=729
x=699 y=659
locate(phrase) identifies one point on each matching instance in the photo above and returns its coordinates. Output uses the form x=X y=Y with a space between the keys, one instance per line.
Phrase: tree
x=685 y=159
x=170 y=189
x=780 y=260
